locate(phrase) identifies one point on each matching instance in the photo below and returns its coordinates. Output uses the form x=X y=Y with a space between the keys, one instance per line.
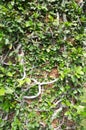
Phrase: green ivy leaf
x=9 y=90
x=80 y=109
x=9 y=74
x=2 y=91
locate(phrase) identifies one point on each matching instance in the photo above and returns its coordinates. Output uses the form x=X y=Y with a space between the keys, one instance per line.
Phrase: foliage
x=52 y=36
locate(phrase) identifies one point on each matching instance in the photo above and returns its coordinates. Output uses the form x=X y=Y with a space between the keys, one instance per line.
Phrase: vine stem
x=39 y=88
x=34 y=96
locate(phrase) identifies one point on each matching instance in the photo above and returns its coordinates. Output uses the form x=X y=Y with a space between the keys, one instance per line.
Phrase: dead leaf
x=78 y=1
x=55 y=123
x=54 y=73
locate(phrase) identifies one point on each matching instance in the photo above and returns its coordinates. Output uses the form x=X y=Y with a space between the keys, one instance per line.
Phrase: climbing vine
x=42 y=64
